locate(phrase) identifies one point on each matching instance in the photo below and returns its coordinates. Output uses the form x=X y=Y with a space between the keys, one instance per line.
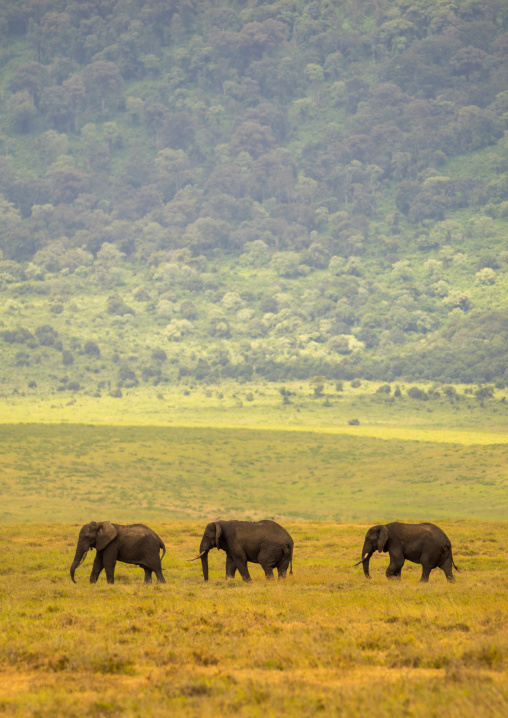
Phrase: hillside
x=241 y=190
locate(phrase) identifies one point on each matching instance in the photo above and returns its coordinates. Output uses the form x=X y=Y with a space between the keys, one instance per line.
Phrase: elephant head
x=211 y=539
x=92 y=535
x=375 y=538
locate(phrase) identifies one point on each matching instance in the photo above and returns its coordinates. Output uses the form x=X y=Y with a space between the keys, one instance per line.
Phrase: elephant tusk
x=365 y=557
x=196 y=557
x=84 y=556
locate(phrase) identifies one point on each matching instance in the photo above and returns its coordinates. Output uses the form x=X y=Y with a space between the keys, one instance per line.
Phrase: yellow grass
x=326 y=641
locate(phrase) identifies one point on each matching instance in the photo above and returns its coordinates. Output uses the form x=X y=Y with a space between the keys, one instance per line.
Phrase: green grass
x=82 y=472
x=260 y=405
x=325 y=642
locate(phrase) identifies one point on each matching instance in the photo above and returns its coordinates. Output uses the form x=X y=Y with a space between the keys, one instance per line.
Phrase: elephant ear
x=382 y=538
x=107 y=533
x=218 y=533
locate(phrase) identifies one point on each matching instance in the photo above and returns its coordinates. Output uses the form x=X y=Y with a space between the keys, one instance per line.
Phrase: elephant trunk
x=79 y=557
x=204 y=565
x=365 y=562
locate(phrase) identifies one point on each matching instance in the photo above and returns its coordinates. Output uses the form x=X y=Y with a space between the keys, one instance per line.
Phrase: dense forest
x=281 y=189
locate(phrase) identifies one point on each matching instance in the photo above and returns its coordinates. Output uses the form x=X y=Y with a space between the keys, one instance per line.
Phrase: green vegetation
x=161 y=473
x=460 y=414
x=325 y=641
x=265 y=190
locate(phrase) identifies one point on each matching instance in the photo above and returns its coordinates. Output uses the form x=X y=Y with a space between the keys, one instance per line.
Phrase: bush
x=92 y=348
x=484 y=392
x=22 y=359
x=415 y=393
x=159 y=355
x=117 y=306
x=16 y=336
x=67 y=357
x=384 y=389
x=46 y=335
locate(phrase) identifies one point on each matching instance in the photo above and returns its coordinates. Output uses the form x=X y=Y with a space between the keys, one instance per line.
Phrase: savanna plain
x=324 y=641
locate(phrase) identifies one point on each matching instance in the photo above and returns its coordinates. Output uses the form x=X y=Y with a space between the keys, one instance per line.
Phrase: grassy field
x=464 y=420
x=81 y=473
x=325 y=642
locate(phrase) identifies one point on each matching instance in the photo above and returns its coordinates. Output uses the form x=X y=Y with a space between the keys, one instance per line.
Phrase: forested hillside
x=284 y=189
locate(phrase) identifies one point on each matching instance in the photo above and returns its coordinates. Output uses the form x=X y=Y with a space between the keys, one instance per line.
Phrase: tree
x=467 y=60
x=22 y=111
x=30 y=76
x=53 y=35
x=103 y=83
x=67 y=183
x=253 y=138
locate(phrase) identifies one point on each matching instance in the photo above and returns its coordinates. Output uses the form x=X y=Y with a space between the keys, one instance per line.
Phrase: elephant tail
x=448 y=551
x=291 y=560
x=163 y=549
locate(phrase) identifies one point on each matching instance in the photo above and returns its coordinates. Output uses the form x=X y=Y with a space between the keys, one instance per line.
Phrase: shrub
x=117 y=306
x=159 y=355
x=67 y=357
x=16 y=336
x=415 y=393
x=46 y=335
x=484 y=392
x=91 y=348
x=22 y=359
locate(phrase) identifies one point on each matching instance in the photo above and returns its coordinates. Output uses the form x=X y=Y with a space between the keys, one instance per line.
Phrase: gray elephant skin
x=263 y=542
x=425 y=544
x=136 y=544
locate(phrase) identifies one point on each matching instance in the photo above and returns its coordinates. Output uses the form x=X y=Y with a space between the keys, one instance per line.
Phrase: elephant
x=425 y=544
x=263 y=542
x=135 y=544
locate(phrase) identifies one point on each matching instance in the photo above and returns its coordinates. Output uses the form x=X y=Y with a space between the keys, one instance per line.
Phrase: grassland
x=77 y=473
x=325 y=642
x=261 y=405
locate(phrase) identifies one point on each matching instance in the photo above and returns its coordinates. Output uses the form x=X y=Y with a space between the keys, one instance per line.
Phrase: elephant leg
x=97 y=567
x=447 y=568
x=110 y=555
x=148 y=575
x=160 y=575
x=426 y=569
x=241 y=565
x=395 y=567
x=270 y=558
x=283 y=566
x=230 y=567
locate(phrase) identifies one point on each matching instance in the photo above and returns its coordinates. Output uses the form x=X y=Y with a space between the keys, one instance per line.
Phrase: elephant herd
x=262 y=542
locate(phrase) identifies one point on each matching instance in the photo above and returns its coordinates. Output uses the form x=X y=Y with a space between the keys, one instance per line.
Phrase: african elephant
x=135 y=544
x=425 y=543
x=263 y=542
